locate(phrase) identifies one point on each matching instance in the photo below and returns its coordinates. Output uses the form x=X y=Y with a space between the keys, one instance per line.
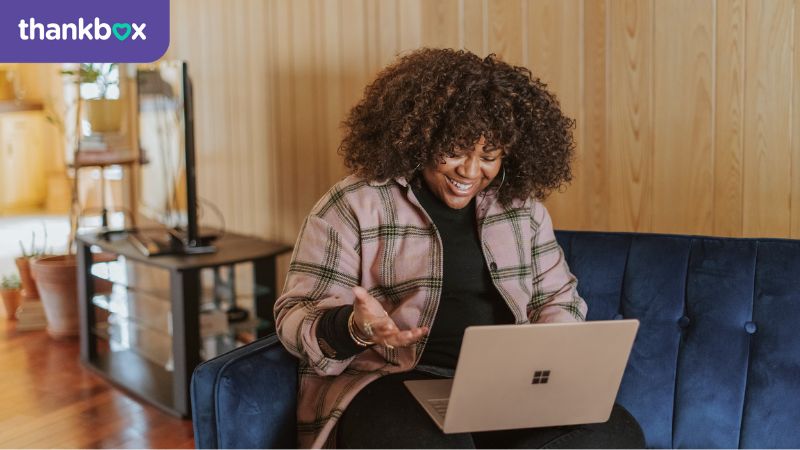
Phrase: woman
x=439 y=227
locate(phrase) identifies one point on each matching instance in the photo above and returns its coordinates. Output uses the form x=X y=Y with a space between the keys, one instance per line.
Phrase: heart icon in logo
x=117 y=29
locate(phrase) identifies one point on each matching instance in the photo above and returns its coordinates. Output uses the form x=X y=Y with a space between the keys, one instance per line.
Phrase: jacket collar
x=486 y=198
x=399 y=180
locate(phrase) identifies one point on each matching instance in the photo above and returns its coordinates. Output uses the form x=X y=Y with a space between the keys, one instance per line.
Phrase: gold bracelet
x=351 y=327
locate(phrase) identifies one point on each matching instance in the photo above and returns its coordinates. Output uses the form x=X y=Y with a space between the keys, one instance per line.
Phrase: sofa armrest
x=246 y=398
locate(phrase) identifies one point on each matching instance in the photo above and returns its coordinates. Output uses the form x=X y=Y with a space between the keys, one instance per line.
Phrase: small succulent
x=10 y=282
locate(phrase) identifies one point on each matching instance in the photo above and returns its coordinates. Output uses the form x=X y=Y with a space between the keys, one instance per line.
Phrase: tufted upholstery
x=716 y=362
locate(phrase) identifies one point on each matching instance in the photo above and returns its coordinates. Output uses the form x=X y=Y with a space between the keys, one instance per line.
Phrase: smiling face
x=458 y=179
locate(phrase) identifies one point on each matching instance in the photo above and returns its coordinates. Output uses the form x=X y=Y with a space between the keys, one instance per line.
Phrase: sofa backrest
x=716 y=362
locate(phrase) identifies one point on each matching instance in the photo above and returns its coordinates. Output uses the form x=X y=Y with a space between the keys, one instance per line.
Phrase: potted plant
x=57 y=275
x=57 y=280
x=53 y=289
x=10 y=290
x=103 y=112
x=23 y=262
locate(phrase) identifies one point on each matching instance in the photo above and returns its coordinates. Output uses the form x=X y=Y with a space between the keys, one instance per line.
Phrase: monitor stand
x=150 y=246
x=164 y=242
x=200 y=246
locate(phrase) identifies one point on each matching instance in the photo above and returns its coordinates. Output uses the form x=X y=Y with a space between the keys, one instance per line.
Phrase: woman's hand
x=369 y=315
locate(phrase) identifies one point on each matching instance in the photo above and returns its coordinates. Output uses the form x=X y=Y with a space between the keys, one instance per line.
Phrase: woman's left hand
x=368 y=312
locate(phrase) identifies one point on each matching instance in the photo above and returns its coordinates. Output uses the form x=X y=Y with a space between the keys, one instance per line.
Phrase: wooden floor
x=48 y=400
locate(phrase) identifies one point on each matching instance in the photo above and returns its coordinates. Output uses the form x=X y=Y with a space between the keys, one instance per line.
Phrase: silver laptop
x=525 y=376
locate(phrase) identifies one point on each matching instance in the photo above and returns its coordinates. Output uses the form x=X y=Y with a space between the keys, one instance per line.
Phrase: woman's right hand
x=368 y=313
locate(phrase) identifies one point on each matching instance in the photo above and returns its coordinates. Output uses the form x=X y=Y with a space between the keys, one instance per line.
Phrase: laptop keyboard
x=439 y=405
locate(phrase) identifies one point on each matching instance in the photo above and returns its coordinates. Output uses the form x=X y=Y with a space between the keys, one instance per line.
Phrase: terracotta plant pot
x=11 y=300
x=29 y=290
x=57 y=280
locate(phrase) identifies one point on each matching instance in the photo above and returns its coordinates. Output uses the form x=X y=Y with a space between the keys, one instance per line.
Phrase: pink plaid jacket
x=377 y=235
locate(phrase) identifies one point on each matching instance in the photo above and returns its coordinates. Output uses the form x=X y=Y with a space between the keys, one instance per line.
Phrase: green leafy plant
x=33 y=251
x=10 y=282
x=100 y=74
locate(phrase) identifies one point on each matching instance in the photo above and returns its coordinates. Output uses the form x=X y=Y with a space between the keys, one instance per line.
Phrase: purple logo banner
x=83 y=30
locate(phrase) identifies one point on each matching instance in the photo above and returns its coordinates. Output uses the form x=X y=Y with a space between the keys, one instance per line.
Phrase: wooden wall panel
x=330 y=87
x=216 y=64
x=410 y=28
x=554 y=32
x=729 y=118
x=595 y=173
x=261 y=119
x=683 y=157
x=685 y=118
x=308 y=173
x=630 y=115
x=440 y=23
x=388 y=32
x=475 y=27
x=505 y=30
x=767 y=118
x=288 y=154
x=795 y=205
x=236 y=97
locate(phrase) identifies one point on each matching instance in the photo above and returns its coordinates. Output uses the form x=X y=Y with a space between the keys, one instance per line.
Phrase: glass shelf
x=150 y=280
x=239 y=334
x=135 y=276
x=136 y=322
x=125 y=335
x=145 y=310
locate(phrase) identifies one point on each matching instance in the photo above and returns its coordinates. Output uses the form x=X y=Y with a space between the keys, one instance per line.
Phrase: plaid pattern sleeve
x=324 y=267
x=555 y=295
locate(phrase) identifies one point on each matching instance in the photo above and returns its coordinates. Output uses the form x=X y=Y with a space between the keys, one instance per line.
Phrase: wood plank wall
x=687 y=110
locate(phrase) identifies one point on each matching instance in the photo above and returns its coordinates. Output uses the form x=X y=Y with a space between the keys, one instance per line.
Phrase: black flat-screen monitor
x=168 y=188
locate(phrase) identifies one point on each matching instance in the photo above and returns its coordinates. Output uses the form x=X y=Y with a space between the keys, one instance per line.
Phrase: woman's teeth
x=460 y=186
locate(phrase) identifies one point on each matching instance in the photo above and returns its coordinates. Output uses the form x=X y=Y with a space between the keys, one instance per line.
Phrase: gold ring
x=368 y=329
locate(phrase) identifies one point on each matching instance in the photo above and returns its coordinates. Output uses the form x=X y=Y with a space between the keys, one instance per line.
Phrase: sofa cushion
x=772 y=401
x=712 y=365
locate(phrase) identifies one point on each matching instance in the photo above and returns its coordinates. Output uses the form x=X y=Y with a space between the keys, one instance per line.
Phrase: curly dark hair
x=432 y=102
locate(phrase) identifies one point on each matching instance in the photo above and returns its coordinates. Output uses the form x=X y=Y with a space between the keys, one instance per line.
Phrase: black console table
x=147 y=322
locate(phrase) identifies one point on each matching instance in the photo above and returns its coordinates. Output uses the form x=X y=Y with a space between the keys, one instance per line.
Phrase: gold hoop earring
x=502 y=179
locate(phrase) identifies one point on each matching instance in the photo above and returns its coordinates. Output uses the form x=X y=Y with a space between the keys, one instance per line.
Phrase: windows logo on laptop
x=541 y=377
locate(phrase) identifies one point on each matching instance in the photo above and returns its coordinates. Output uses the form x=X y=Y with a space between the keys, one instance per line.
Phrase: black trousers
x=386 y=415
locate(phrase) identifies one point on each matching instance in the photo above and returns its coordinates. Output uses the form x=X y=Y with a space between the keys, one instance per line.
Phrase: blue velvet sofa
x=716 y=362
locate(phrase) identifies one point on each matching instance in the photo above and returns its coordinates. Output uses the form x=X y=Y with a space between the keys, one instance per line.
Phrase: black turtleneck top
x=468 y=295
